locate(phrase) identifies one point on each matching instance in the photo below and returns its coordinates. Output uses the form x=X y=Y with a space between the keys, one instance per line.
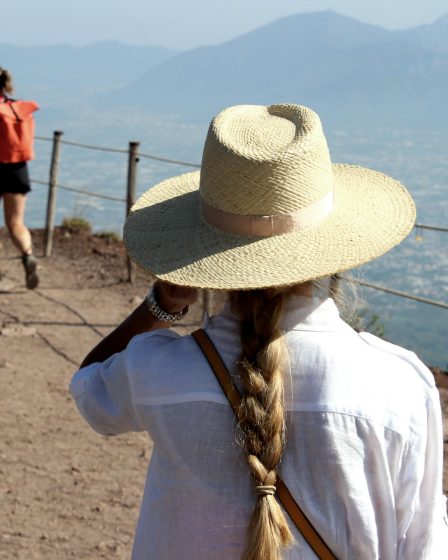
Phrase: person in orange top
x=16 y=148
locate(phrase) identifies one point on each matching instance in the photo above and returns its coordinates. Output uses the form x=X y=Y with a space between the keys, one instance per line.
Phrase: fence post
x=130 y=194
x=205 y=305
x=52 y=189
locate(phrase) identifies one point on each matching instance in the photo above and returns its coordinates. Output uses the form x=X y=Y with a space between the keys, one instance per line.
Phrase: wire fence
x=433 y=228
x=134 y=154
x=403 y=294
x=82 y=191
x=122 y=151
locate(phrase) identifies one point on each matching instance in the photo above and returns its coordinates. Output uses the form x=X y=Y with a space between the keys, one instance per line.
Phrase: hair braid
x=261 y=415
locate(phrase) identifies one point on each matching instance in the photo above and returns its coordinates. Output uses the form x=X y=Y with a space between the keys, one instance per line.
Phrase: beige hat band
x=267 y=226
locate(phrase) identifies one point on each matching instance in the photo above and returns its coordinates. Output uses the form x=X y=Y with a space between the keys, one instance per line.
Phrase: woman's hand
x=172 y=298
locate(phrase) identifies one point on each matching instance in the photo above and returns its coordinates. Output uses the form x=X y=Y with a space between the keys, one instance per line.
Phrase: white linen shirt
x=364 y=448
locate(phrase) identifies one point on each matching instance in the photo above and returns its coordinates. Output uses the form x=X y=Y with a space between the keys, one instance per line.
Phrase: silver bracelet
x=159 y=313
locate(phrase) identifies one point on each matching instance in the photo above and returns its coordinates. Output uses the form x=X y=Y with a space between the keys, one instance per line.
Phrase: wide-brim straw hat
x=267 y=208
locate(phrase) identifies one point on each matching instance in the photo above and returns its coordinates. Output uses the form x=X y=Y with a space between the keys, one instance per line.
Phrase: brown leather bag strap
x=285 y=497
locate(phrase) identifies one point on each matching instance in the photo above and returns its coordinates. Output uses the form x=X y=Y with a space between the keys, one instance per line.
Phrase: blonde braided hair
x=262 y=415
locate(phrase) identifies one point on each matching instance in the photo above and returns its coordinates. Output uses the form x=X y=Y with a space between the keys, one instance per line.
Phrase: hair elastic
x=265 y=490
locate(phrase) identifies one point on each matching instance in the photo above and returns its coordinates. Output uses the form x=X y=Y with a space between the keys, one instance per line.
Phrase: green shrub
x=365 y=321
x=109 y=235
x=76 y=223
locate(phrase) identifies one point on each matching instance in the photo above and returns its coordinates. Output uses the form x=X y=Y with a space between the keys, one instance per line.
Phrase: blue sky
x=183 y=24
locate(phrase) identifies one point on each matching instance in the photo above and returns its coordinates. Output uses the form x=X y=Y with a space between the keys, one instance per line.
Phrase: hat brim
x=166 y=235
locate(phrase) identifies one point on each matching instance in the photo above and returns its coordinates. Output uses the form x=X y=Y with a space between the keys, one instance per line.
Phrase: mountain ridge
x=66 y=74
x=349 y=71
x=303 y=59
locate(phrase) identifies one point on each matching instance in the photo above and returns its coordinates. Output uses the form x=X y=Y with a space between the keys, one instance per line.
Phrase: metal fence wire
x=134 y=154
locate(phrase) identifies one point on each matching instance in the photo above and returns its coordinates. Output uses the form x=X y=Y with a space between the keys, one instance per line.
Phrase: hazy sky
x=183 y=24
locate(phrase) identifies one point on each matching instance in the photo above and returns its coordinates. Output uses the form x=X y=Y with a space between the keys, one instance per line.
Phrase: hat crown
x=261 y=160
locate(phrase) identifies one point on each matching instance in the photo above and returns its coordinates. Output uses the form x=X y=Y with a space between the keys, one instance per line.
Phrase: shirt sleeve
x=103 y=396
x=421 y=506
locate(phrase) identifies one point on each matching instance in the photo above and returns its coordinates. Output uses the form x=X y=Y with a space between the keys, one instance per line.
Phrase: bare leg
x=14 y=209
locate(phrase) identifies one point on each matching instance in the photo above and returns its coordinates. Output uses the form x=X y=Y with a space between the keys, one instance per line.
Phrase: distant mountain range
x=60 y=75
x=352 y=73
x=349 y=71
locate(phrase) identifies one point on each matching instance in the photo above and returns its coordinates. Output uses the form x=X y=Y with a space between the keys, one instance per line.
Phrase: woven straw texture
x=262 y=161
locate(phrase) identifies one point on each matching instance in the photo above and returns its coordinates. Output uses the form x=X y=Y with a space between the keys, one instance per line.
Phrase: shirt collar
x=310 y=314
x=302 y=313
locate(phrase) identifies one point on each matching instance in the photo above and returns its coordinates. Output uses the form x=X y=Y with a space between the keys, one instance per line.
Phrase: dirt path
x=65 y=492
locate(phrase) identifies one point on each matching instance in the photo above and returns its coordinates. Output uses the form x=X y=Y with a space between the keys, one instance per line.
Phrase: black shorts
x=14 y=178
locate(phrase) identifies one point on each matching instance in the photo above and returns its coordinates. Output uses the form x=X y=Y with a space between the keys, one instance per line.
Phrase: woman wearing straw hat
x=342 y=429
